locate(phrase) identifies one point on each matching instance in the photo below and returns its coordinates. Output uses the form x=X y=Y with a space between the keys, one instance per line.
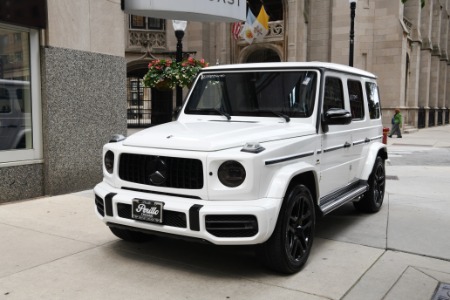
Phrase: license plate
x=146 y=210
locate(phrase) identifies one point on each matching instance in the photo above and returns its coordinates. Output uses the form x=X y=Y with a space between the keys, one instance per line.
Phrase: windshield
x=254 y=93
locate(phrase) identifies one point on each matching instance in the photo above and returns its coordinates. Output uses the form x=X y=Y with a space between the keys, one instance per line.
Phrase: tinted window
x=259 y=94
x=373 y=100
x=5 y=102
x=334 y=96
x=355 y=94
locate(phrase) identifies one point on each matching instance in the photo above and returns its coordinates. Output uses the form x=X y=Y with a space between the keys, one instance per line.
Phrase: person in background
x=396 y=124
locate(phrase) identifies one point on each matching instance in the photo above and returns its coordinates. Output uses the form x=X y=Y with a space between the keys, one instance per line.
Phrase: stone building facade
x=62 y=74
x=405 y=45
x=64 y=66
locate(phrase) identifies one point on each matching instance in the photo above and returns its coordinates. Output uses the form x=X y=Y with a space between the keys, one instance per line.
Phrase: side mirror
x=335 y=116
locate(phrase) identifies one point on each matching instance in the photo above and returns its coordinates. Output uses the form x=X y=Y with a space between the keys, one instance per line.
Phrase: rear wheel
x=373 y=198
x=288 y=248
x=129 y=235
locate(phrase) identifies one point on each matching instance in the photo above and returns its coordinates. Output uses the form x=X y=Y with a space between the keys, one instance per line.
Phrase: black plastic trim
x=158 y=233
x=284 y=159
x=194 y=217
x=108 y=204
x=333 y=148
x=160 y=193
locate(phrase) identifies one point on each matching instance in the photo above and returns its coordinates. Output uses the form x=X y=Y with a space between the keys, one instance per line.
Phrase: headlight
x=231 y=173
x=109 y=161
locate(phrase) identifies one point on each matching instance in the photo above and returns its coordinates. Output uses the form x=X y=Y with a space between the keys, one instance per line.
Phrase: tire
x=373 y=198
x=130 y=236
x=288 y=248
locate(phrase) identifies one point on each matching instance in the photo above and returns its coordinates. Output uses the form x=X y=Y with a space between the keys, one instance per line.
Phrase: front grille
x=100 y=205
x=231 y=225
x=170 y=218
x=166 y=171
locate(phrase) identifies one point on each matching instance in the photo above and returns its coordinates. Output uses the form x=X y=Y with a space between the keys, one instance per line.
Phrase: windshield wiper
x=216 y=110
x=285 y=117
x=278 y=114
x=223 y=114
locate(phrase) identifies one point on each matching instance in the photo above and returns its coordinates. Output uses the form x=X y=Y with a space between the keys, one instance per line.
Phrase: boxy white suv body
x=256 y=153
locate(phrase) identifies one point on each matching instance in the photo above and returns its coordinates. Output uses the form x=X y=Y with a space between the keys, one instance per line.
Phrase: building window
x=20 y=107
x=144 y=23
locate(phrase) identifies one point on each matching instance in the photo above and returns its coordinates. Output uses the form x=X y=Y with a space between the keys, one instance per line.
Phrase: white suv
x=256 y=153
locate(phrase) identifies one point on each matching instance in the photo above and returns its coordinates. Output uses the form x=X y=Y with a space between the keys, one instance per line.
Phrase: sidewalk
x=438 y=137
x=56 y=248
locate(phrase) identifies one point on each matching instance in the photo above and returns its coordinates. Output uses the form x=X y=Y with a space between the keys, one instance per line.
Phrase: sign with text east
x=189 y=10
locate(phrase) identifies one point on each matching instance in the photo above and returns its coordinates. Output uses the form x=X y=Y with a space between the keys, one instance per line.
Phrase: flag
x=236 y=30
x=247 y=31
x=261 y=24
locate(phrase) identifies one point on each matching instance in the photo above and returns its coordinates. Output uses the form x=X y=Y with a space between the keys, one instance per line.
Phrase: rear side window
x=373 y=100
x=334 y=96
x=355 y=94
x=5 y=102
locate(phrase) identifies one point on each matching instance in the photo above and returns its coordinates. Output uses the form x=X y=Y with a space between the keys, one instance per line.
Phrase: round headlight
x=231 y=173
x=109 y=161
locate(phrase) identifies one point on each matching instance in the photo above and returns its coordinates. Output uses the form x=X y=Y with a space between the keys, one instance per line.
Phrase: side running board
x=341 y=197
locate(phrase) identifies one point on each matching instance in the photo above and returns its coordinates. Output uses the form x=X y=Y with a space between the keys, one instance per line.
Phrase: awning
x=189 y=10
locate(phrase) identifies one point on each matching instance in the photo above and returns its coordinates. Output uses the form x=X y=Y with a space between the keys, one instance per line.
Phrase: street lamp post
x=179 y=27
x=352 y=31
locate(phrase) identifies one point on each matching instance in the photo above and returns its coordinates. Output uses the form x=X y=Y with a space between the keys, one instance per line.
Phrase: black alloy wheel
x=373 y=198
x=288 y=248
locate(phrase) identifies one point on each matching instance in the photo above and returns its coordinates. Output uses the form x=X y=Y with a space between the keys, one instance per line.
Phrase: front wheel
x=373 y=198
x=288 y=248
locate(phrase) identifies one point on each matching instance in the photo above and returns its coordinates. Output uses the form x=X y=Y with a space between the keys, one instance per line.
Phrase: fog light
x=109 y=161
x=231 y=173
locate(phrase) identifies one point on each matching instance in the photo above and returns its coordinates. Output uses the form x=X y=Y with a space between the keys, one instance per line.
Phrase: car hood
x=214 y=135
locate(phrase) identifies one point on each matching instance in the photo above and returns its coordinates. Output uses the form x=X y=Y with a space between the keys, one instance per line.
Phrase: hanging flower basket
x=166 y=74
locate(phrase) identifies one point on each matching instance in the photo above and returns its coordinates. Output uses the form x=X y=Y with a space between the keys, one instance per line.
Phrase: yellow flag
x=261 y=24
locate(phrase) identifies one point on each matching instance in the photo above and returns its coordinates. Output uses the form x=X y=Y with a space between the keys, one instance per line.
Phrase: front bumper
x=238 y=222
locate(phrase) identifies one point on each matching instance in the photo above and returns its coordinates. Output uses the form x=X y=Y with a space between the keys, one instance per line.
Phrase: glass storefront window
x=19 y=94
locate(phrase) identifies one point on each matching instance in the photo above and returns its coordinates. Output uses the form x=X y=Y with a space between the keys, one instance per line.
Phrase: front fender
x=372 y=155
x=284 y=176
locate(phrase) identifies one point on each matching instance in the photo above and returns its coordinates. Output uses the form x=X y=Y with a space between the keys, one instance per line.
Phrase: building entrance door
x=138 y=103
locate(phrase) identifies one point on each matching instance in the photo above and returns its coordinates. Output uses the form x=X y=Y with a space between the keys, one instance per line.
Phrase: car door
x=359 y=127
x=336 y=142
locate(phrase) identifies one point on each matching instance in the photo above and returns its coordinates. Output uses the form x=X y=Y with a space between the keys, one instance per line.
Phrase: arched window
x=263 y=55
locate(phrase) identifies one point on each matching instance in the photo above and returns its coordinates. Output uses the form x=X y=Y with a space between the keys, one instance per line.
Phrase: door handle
x=347 y=145
x=367 y=140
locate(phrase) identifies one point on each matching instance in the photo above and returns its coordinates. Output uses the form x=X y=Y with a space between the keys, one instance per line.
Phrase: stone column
x=296 y=24
x=425 y=58
x=443 y=64
x=389 y=54
x=412 y=12
x=319 y=30
x=435 y=61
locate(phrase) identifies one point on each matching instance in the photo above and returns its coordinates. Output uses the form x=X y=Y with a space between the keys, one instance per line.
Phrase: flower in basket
x=162 y=74
x=189 y=69
x=166 y=74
